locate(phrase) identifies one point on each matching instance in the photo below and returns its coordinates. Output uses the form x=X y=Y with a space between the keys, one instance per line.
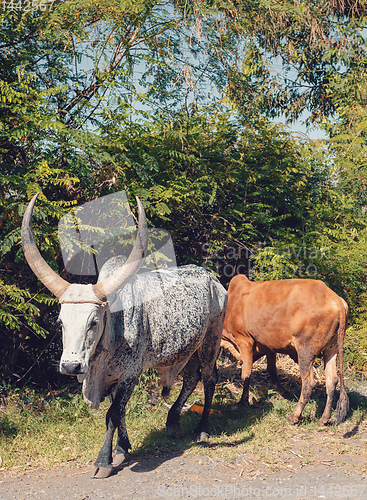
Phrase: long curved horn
x=39 y=266
x=113 y=283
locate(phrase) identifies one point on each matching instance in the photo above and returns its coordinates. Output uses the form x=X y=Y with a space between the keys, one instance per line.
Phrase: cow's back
x=169 y=311
x=278 y=314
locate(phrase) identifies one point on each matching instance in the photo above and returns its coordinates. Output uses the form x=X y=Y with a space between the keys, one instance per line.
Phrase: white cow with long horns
x=175 y=328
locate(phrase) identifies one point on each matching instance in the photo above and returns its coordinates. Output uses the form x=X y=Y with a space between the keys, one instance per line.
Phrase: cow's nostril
x=71 y=368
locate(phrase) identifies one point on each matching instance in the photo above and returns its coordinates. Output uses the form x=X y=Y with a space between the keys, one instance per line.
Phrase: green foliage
x=348 y=141
x=355 y=345
x=271 y=263
x=16 y=308
x=242 y=188
x=168 y=101
x=297 y=56
x=27 y=414
x=57 y=427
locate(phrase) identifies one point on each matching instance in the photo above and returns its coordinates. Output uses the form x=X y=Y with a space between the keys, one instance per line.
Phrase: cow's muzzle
x=74 y=368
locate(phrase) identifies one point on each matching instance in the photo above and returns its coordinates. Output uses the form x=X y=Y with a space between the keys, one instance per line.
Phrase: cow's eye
x=93 y=323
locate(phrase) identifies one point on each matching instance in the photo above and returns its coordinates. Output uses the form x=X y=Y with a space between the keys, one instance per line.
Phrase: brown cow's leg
x=308 y=383
x=331 y=376
x=246 y=349
x=272 y=371
x=231 y=348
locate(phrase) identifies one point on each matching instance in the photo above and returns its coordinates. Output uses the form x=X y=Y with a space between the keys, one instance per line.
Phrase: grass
x=46 y=430
x=40 y=430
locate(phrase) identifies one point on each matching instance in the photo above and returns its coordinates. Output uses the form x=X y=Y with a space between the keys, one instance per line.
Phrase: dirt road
x=188 y=476
x=325 y=463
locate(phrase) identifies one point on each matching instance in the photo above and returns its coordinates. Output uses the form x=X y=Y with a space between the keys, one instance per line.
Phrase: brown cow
x=299 y=317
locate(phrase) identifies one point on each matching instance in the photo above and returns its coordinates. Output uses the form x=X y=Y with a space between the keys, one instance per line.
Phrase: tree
x=65 y=71
x=298 y=55
x=171 y=102
x=236 y=195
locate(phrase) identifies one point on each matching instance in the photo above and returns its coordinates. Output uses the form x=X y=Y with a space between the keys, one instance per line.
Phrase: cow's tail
x=342 y=406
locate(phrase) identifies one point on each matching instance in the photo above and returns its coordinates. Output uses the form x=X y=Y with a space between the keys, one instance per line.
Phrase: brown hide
x=301 y=318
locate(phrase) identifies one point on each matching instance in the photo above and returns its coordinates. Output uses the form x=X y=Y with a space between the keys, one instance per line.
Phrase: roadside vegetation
x=186 y=104
x=57 y=428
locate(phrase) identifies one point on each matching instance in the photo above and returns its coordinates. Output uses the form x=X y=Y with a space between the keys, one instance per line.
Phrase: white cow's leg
x=208 y=354
x=210 y=378
x=120 y=453
x=191 y=376
x=115 y=419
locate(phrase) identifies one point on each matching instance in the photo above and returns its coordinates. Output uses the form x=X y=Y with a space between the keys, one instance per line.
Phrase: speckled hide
x=169 y=320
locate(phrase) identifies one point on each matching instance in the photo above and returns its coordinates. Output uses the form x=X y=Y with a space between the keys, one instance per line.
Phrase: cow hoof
x=120 y=458
x=165 y=392
x=292 y=420
x=286 y=395
x=172 y=429
x=101 y=472
x=325 y=421
x=239 y=405
x=203 y=437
